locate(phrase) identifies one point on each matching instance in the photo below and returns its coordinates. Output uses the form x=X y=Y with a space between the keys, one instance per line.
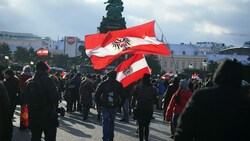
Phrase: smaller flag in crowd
x=195 y=76
x=42 y=52
x=47 y=63
x=132 y=69
x=167 y=75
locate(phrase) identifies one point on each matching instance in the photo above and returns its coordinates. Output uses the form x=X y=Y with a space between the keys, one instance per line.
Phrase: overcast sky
x=222 y=21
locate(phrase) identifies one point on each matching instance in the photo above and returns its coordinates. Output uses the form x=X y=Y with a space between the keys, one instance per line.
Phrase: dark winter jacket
x=12 y=86
x=145 y=96
x=219 y=113
x=5 y=115
x=85 y=91
x=48 y=116
x=172 y=88
x=101 y=89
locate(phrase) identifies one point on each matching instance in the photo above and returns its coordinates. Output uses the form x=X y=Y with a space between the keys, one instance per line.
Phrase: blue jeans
x=126 y=110
x=108 y=123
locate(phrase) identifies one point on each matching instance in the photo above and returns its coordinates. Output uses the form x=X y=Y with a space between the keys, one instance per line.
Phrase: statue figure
x=113 y=19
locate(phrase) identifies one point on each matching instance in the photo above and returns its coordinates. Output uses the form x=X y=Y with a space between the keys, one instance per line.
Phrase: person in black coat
x=218 y=113
x=11 y=83
x=108 y=97
x=6 y=126
x=144 y=96
x=45 y=119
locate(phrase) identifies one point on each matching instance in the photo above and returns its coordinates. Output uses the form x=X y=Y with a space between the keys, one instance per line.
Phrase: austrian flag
x=132 y=70
x=104 y=48
x=42 y=52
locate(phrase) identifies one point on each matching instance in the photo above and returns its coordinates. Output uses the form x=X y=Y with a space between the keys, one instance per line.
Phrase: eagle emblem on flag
x=122 y=43
x=127 y=71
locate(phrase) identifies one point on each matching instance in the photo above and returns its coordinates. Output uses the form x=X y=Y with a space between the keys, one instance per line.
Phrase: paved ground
x=73 y=128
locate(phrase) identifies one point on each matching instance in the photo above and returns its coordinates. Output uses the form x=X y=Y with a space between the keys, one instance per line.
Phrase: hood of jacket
x=228 y=74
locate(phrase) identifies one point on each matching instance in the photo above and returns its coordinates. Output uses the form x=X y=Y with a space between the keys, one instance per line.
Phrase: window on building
x=196 y=52
x=165 y=64
x=201 y=65
x=195 y=65
x=183 y=52
x=172 y=52
x=183 y=65
x=177 y=64
x=171 y=64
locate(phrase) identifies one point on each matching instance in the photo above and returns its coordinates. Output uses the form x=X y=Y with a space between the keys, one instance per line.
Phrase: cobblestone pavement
x=73 y=128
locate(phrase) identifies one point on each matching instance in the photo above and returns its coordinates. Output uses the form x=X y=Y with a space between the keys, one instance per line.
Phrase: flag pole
x=163 y=38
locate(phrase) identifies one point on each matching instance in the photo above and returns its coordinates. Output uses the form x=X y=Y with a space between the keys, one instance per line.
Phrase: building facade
x=26 y=40
x=183 y=56
x=68 y=45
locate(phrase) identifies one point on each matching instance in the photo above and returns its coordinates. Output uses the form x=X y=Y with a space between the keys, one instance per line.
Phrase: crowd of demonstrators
x=217 y=113
x=108 y=97
x=177 y=104
x=144 y=97
x=83 y=91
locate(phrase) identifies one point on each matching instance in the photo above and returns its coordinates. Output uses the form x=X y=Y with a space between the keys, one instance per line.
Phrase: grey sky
x=222 y=21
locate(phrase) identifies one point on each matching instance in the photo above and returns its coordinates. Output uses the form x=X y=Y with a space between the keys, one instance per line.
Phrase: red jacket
x=175 y=108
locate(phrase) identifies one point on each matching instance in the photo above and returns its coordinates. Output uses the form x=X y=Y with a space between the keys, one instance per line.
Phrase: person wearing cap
x=11 y=83
x=144 y=96
x=177 y=103
x=45 y=120
x=109 y=102
x=217 y=113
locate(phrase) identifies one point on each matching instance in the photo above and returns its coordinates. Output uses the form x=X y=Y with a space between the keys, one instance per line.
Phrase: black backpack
x=36 y=95
x=111 y=96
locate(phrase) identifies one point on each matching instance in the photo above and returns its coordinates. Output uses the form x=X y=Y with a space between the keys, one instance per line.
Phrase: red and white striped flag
x=47 y=63
x=132 y=69
x=104 y=48
x=42 y=52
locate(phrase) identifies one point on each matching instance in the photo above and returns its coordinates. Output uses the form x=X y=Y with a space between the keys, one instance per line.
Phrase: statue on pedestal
x=114 y=19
